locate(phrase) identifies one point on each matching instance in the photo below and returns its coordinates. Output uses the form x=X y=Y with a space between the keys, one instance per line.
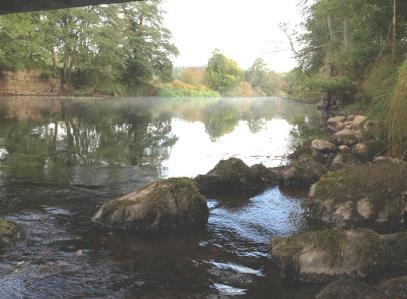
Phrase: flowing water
x=61 y=159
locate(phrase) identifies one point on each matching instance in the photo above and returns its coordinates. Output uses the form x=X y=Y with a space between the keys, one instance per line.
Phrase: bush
x=178 y=88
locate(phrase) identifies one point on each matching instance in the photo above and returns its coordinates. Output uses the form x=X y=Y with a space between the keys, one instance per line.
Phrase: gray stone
x=165 y=205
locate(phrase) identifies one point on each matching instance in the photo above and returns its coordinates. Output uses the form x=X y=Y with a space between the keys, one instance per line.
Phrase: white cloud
x=242 y=29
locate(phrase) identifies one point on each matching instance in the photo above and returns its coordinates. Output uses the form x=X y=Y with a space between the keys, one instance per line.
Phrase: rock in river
x=331 y=254
x=232 y=176
x=362 y=195
x=159 y=206
x=302 y=172
x=10 y=233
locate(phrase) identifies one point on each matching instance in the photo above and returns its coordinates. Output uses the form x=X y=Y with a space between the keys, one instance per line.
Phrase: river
x=62 y=158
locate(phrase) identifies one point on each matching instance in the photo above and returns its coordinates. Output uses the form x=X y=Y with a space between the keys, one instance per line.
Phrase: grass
x=397 y=116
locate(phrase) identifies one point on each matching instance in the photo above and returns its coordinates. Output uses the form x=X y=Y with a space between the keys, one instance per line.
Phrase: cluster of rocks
x=363 y=198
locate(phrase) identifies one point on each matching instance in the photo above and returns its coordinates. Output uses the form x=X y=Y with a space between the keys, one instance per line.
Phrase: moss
x=363 y=180
x=373 y=249
x=329 y=241
x=179 y=188
x=231 y=167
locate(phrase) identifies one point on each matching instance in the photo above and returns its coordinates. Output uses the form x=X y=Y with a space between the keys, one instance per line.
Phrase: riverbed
x=62 y=158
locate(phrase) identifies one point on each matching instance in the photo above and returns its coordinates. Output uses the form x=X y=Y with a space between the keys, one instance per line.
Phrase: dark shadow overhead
x=12 y=6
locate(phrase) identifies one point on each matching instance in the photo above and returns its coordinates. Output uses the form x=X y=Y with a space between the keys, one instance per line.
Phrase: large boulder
x=347 y=137
x=322 y=256
x=302 y=172
x=323 y=146
x=159 y=206
x=10 y=234
x=366 y=151
x=232 y=176
x=362 y=195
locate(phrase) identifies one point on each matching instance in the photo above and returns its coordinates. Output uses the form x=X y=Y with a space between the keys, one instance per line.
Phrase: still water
x=61 y=159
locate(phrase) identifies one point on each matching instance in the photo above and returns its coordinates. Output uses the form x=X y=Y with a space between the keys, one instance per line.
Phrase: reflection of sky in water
x=195 y=153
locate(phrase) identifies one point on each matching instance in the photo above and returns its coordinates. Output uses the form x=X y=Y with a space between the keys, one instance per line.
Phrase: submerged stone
x=362 y=195
x=10 y=233
x=165 y=205
x=321 y=256
x=233 y=176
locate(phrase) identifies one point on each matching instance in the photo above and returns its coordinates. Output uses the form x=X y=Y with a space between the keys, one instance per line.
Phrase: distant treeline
x=223 y=76
x=120 y=49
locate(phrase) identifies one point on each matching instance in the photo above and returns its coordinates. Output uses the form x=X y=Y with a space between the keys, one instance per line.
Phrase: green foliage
x=265 y=80
x=181 y=89
x=114 y=49
x=222 y=72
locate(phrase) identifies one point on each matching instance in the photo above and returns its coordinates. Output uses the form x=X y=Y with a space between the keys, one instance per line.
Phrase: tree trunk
x=394 y=32
x=330 y=29
x=347 y=36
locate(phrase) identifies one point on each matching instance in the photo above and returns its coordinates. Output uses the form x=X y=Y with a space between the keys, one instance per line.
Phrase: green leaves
x=92 y=47
x=222 y=72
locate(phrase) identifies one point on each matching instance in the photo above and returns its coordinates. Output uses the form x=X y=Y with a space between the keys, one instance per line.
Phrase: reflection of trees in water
x=54 y=133
x=220 y=118
x=86 y=133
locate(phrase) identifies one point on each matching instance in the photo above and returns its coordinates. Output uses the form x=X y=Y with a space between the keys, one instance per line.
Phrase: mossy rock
x=232 y=176
x=331 y=254
x=366 y=151
x=165 y=205
x=302 y=172
x=362 y=195
x=10 y=234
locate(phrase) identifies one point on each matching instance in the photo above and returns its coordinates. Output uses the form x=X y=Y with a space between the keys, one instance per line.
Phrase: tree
x=100 y=48
x=222 y=72
x=262 y=78
x=149 y=45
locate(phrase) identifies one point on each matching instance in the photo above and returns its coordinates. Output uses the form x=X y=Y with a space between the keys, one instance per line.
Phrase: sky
x=241 y=29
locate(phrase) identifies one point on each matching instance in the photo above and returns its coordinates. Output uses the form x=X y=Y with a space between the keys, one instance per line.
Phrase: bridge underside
x=13 y=6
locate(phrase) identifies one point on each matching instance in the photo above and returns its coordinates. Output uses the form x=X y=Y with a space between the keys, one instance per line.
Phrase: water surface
x=61 y=159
